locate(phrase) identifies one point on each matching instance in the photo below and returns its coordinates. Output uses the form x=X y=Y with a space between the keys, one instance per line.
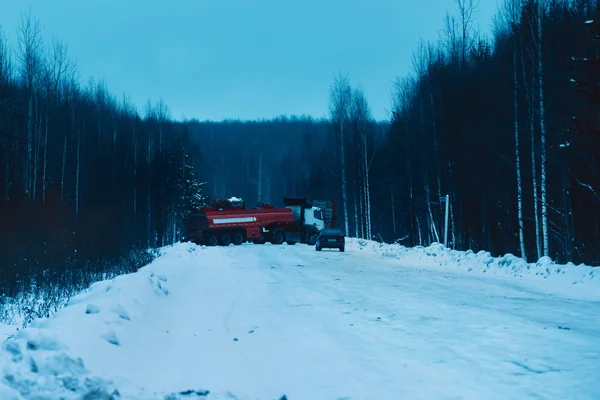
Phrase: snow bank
x=36 y=365
x=36 y=362
x=580 y=280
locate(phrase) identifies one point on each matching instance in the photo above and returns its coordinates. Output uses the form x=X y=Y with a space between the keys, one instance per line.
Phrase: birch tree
x=540 y=13
x=361 y=115
x=467 y=9
x=340 y=97
x=510 y=16
x=29 y=56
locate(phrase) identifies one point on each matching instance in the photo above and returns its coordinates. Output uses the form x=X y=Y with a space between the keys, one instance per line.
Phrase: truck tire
x=238 y=238
x=225 y=239
x=278 y=237
x=212 y=240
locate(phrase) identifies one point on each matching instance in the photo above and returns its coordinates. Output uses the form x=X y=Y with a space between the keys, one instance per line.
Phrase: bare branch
x=29 y=37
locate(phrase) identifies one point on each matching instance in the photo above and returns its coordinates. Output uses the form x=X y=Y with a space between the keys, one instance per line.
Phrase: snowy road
x=263 y=321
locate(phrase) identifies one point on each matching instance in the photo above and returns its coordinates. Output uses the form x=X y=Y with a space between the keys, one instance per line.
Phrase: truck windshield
x=318 y=214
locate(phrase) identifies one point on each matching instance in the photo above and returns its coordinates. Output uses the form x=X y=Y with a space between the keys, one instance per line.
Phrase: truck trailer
x=228 y=221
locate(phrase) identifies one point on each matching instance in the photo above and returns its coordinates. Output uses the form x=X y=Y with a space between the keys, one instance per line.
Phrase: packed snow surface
x=264 y=321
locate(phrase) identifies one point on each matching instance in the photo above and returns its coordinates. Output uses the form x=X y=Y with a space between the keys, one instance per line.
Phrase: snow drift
x=38 y=362
x=576 y=280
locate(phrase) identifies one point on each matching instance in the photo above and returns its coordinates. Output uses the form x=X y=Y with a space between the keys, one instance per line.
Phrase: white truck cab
x=314 y=216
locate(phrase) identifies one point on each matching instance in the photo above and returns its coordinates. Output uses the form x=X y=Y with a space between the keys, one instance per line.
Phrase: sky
x=241 y=59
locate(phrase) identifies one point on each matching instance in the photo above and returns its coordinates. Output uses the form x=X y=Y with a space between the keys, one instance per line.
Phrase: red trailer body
x=214 y=226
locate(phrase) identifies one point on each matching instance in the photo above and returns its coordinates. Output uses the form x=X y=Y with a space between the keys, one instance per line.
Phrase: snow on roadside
x=39 y=361
x=577 y=280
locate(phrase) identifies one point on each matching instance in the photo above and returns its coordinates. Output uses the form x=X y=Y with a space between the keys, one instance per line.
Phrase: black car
x=331 y=238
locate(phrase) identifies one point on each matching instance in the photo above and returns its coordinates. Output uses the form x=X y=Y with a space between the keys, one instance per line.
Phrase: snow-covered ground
x=263 y=321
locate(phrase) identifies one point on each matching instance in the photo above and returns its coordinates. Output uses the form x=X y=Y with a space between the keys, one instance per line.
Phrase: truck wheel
x=225 y=239
x=278 y=237
x=212 y=240
x=238 y=238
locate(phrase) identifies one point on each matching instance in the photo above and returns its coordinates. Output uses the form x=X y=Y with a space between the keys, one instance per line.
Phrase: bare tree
x=540 y=13
x=163 y=115
x=451 y=39
x=360 y=115
x=29 y=38
x=340 y=97
x=5 y=60
x=466 y=9
x=509 y=17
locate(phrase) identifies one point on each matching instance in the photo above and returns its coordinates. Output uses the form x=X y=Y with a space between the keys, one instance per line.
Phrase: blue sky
x=215 y=59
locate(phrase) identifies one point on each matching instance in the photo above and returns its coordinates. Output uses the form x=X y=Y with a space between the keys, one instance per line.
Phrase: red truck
x=228 y=221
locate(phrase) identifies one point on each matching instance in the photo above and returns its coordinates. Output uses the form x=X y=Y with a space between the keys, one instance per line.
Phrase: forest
x=506 y=126
x=87 y=185
x=508 y=129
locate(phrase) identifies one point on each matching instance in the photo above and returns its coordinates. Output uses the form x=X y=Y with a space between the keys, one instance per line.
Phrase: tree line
x=88 y=186
x=507 y=127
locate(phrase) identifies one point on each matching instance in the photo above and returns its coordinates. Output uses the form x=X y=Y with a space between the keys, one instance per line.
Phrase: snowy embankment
x=568 y=279
x=45 y=360
x=263 y=321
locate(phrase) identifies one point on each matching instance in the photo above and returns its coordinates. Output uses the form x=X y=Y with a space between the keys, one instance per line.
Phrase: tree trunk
x=114 y=151
x=542 y=133
x=438 y=171
x=357 y=224
x=260 y=183
x=420 y=235
x=135 y=167
x=433 y=230
x=344 y=182
x=64 y=158
x=393 y=212
x=531 y=109
x=45 y=158
x=148 y=197
x=567 y=217
x=410 y=190
x=366 y=188
x=78 y=174
x=36 y=151
x=28 y=161
x=7 y=176
x=455 y=240
x=517 y=156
